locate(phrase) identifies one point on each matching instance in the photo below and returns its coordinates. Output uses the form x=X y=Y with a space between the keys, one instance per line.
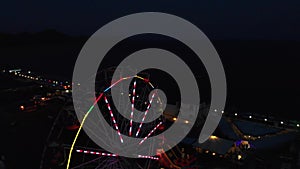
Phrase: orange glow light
x=213 y=137
x=22 y=107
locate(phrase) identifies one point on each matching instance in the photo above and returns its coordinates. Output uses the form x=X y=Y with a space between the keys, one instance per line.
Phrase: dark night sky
x=219 y=19
x=258 y=42
x=262 y=75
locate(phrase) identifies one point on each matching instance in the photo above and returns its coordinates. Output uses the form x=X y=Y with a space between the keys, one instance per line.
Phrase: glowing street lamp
x=22 y=107
x=213 y=137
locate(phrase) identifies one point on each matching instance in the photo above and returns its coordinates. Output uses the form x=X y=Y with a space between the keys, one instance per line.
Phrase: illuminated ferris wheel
x=84 y=152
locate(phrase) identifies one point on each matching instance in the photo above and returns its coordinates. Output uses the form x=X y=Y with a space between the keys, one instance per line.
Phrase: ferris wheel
x=68 y=147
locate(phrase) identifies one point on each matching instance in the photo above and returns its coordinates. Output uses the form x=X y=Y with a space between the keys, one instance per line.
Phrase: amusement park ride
x=234 y=141
x=67 y=147
x=86 y=154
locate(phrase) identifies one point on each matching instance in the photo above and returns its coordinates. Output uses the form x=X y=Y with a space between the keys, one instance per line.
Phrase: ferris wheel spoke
x=132 y=108
x=151 y=132
x=113 y=119
x=145 y=114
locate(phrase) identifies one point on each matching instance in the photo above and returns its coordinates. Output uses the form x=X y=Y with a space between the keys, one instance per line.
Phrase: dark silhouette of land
x=262 y=75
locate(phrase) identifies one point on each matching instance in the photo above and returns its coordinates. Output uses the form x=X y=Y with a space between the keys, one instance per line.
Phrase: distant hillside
x=261 y=75
x=47 y=36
